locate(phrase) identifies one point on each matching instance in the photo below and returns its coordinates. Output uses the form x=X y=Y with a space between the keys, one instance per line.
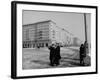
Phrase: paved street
x=39 y=58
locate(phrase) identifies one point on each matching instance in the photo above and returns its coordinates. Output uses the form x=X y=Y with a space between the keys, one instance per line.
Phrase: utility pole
x=86 y=41
x=85 y=25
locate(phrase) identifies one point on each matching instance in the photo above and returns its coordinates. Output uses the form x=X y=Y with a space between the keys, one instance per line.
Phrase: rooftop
x=39 y=22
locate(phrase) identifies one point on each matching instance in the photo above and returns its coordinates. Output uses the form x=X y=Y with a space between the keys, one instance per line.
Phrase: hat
x=53 y=42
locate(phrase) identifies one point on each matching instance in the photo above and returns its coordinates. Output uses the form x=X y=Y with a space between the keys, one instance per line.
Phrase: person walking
x=57 y=54
x=52 y=54
x=85 y=51
x=82 y=54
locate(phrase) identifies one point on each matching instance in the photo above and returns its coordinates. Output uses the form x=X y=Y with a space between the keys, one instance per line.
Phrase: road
x=39 y=58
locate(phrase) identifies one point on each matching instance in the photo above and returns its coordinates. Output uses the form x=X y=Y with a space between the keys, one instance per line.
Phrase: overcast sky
x=73 y=22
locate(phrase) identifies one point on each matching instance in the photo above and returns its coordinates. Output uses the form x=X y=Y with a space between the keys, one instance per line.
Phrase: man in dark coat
x=82 y=54
x=57 y=54
x=52 y=54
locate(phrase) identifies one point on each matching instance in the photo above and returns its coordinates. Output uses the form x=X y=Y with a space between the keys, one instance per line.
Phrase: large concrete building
x=43 y=33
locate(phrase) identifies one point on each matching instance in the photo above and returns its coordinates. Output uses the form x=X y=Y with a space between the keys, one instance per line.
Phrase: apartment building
x=41 y=34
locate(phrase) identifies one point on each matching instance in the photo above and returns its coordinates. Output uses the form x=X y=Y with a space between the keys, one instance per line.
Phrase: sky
x=73 y=22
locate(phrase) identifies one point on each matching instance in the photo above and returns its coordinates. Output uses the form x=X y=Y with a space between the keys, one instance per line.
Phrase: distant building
x=76 y=41
x=43 y=33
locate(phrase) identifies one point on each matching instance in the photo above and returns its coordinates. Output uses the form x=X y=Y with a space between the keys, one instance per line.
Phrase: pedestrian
x=52 y=54
x=82 y=55
x=57 y=54
x=85 y=48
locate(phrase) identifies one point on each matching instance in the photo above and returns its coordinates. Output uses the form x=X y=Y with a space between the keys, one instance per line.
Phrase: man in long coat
x=82 y=54
x=52 y=54
x=57 y=54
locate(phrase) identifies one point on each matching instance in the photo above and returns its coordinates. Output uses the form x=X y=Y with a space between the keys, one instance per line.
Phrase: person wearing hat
x=57 y=54
x=52 y=54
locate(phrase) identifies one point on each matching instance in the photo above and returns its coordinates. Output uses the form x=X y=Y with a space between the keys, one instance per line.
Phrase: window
x=42 y=44
x=46 y=44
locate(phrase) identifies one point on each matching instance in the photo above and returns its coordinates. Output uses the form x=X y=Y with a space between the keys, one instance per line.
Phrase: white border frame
x=36 y=72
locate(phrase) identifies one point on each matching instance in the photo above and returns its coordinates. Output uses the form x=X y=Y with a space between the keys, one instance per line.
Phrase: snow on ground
x=39 y=58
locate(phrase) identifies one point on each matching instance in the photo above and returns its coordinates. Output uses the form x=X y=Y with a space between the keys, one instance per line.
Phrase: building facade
x=41 y=34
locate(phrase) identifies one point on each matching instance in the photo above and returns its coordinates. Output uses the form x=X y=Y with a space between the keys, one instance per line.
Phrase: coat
x=52 y=52
x=82 y=51
x=58 y=56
